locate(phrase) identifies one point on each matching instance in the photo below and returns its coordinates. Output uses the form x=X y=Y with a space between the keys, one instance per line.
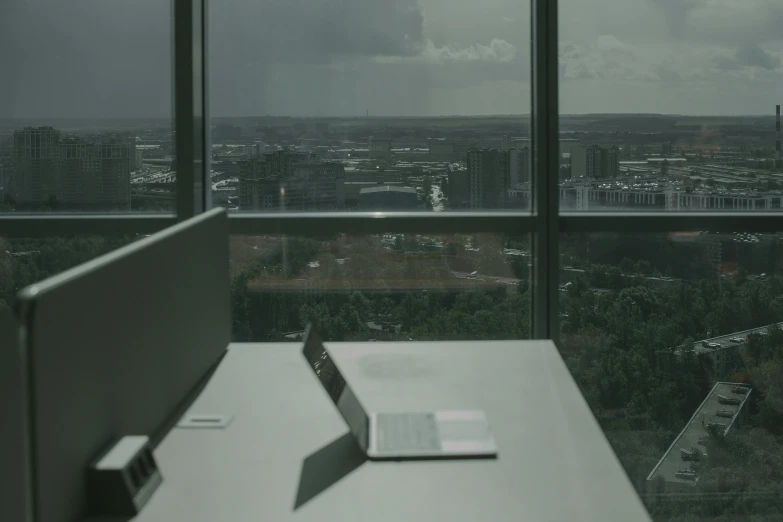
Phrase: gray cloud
x=755 y=56
x=312 y=31
x=748 y=56
x=499 y=51
x=739 y=22
x=676 y=12
x=85 y=58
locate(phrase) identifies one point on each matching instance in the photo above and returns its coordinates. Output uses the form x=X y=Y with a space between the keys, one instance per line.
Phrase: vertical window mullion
x=546 y=165
x=190 y=108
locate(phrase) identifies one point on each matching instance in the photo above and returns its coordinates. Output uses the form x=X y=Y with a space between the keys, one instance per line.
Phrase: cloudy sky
x=98 y=58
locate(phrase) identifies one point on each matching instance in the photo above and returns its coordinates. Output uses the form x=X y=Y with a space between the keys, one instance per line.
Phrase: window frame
x=545 y=223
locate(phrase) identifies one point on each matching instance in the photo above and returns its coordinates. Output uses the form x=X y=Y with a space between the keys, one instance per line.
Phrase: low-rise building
x=387 y=197
x=721 y=413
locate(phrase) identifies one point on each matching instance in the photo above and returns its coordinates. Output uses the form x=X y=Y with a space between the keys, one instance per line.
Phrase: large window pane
x=655 y=97
x=382 y=287
x=86 y=112
x=676 y=342
x=370 y=105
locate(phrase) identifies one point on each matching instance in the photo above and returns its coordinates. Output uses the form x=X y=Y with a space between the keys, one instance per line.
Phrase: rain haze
x=112 y=58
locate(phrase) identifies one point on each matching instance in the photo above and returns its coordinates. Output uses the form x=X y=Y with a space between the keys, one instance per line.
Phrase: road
x=483 y=277
x=724 y=340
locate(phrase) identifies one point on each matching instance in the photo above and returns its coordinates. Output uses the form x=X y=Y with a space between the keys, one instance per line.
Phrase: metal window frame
x=191 y=108
x=545 y=223
x=545 y=140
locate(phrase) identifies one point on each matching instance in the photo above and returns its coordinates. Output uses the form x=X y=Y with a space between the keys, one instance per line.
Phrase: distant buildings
x=486 y=181
x=385 y=197
x=36 y=179
x=380 y=149
x=595 y=162
x=459 y=186
x=457 y=150
x=3 y=174
x=519 y=169
x=285 y=180
x=95 y=174
x=489 y=177
x=72 y=173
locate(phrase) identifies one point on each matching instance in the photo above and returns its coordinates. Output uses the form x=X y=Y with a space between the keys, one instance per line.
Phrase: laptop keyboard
x=407 y=432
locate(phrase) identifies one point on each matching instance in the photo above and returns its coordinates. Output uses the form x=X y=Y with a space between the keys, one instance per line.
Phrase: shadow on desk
x=327 y=466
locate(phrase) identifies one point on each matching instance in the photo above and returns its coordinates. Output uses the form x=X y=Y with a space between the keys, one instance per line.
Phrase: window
x=670 y=254
x=408 y=113
x=395 y=287
x=86 y=113
x=605 y=189
x=652 y=328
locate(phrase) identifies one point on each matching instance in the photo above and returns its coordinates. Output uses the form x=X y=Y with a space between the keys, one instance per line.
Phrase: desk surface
x=286 y=455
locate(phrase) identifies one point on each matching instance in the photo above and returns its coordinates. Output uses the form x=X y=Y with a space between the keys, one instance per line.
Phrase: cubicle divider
x=13 y=493
x=114 y=346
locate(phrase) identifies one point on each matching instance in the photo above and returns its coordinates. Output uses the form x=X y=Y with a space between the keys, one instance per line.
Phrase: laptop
x=400 y=435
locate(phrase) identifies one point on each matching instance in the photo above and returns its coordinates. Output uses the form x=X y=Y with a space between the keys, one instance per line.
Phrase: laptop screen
x=332 y=380
x=323 y=365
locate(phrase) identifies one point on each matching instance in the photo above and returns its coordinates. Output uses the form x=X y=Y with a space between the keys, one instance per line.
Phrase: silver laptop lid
x=338 y=390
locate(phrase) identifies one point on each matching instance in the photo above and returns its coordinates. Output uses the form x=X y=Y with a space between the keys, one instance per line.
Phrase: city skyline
x=394 y=58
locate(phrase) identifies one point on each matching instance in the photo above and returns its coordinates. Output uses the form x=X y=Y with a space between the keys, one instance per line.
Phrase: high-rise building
x=252 y=173
x=489 y=177
x=441 y=149
x=595 y=162
x=380 y=149
x=519 y=171
x=95 y=172
x=70 y=173
x=612 y=162
x=284 y=180
x=778 y=161
x=459 y=187
x=4 y=175
x=36 y=180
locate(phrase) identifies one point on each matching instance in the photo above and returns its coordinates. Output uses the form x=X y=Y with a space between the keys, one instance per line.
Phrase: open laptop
x=408 y=435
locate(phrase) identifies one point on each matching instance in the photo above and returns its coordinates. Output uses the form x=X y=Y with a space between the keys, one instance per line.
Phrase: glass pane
x=86 y=112
x=670 y=105
x=370 y=105
x=676 y=342
x=389 y=287
x=24 y=261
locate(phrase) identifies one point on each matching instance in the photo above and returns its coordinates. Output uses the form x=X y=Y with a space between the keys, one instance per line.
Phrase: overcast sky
x=95 y=58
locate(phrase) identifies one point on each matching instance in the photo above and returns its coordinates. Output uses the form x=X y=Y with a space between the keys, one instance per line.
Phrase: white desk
x=286 y=444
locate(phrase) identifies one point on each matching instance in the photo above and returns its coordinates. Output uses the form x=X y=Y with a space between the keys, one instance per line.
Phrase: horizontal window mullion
x=638 y=222
x=316 y=223
x=54 y=225
x=401 y=222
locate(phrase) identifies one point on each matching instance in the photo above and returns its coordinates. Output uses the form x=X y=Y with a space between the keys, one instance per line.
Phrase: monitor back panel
x=114 y=345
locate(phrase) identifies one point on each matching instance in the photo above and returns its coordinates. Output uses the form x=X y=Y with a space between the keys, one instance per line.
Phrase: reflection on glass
x=676 y=341
x=385 y=287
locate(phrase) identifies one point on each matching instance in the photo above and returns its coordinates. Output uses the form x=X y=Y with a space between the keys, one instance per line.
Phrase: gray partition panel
x=115 y=345
x=13 y=493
